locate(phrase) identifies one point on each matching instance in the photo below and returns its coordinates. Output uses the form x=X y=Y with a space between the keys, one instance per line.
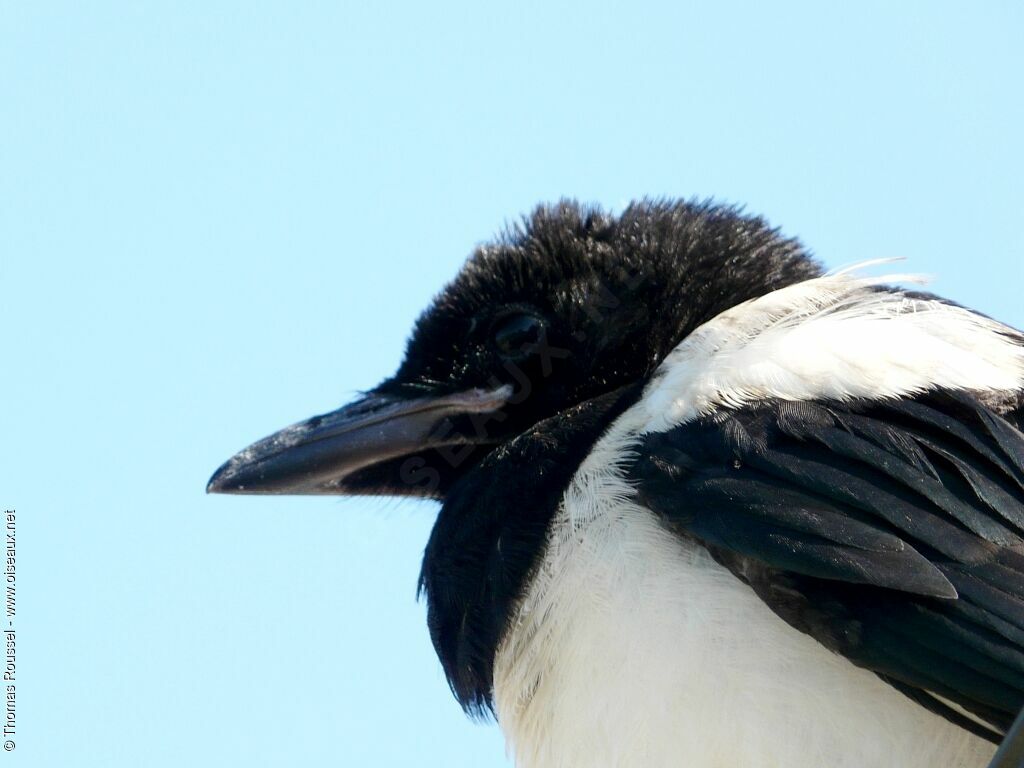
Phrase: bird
x=702 y=502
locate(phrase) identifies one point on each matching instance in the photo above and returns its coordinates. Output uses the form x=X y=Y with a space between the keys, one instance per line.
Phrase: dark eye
x=515 y=335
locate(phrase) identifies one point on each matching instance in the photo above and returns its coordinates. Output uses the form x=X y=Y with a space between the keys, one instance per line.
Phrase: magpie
x=703 y=503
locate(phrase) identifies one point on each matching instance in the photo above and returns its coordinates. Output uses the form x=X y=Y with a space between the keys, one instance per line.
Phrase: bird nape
x=702 y=503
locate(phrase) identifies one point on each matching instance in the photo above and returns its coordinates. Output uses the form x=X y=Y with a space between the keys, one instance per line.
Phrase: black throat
x=490 y=534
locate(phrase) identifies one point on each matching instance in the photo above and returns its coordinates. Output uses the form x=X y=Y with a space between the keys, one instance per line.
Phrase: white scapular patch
x=833 y=337
x=632 y=647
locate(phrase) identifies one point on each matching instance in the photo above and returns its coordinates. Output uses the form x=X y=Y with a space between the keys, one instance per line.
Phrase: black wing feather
x=893 y=532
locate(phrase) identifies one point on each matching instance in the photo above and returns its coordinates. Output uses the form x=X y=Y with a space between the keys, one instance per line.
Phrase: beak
x=315 y=456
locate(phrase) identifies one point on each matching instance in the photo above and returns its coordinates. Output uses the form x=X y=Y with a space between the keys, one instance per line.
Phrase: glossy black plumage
x=616 y=293
x=490 y=533
x=892 y=532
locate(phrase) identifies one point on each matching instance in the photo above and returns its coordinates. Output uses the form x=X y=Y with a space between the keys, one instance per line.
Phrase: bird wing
x=892 y=531
x=854 y=453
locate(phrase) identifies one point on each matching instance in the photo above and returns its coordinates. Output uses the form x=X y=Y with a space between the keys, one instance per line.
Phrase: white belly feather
x=633 y=647
x=661 y=657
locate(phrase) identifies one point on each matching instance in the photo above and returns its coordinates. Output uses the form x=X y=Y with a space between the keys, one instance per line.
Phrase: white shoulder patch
x=834 y=337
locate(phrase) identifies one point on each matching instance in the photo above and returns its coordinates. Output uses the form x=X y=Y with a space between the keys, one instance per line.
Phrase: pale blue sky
x=218 y=218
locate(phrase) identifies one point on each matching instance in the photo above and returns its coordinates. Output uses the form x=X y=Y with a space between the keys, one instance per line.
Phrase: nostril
x=370 y=404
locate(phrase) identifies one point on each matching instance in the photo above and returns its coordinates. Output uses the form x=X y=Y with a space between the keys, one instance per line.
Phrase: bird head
x=570 y=305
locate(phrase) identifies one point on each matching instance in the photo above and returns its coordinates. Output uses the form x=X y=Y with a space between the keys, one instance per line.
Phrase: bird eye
x=515 y=335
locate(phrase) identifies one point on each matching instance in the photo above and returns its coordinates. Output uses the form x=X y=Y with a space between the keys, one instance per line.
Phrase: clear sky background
x=219 y=218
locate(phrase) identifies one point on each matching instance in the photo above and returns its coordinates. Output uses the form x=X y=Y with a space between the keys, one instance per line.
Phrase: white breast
x=633 y=647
